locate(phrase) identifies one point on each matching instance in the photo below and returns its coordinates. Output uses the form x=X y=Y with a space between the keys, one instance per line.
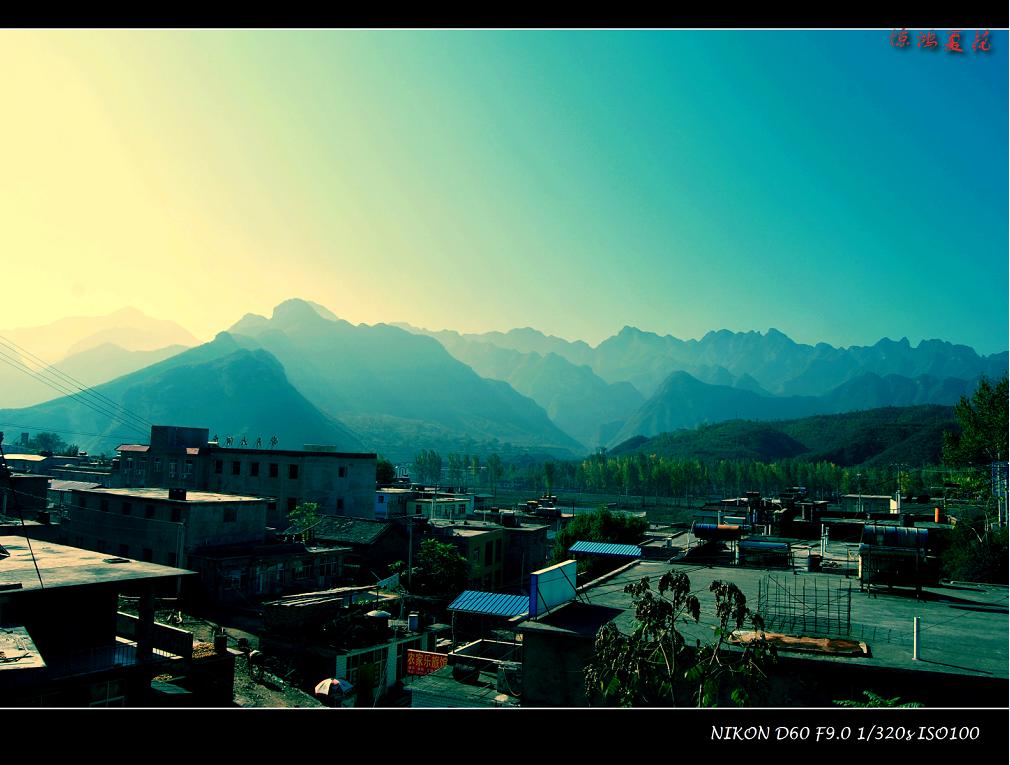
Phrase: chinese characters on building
x=424 y=662
x=956 y=39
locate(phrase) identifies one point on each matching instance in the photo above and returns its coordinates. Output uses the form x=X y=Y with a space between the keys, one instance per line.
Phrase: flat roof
x=964 y=626
x=162 y=494
x=56 y=484
x=28 y=457
x=286 y=452
x=63 y=566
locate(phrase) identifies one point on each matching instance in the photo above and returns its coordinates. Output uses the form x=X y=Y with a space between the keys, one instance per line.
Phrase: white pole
x=916 y=639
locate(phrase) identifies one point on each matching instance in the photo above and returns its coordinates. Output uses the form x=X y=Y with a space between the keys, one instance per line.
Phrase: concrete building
x=220 y=536
x=371 y=546
x=439 y=505
x=393 y=502
x=482 y=544
x=66 y=644
x=162 y=525
x=341 y=483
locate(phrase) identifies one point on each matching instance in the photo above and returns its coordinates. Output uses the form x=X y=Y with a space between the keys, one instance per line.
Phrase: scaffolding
x=810 y=606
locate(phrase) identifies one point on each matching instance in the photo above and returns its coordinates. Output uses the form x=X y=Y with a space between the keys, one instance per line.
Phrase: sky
x=824 y=183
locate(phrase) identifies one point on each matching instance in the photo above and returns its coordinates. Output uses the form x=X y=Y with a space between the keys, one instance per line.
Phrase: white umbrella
x=333 y=687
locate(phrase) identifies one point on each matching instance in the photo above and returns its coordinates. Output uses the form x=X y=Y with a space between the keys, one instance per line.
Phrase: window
x=236 y=468
x=176 y=515
x=103 y=505
x=148 y=555
x=274 y=469
x=292 y=503
x=129 y=464
x=230 y=515
x=382 y=498
x=254 y=469
x=124 y=551
x=462 y=509
x=218 y=466
x=187 y=469
x=489 y=553
x=340 y=503
x=157 y=464
x=127 y=508
x=148 y=511
x=171 y=468
x=292 y=471
x=342 y=472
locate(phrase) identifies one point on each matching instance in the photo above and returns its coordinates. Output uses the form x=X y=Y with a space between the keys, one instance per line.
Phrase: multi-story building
x=482 y=544
x=340 y=483
x=221 y=536
x=162 y=525
x=64 y=642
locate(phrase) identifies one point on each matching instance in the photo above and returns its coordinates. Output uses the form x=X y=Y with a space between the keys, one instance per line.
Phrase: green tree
x=550 y=470
x=978 y=547
x=439 y=570
x=304 y=516
x=385 y=472
x=600 y=526
x=494 y=472
x=875 y=700
x=655 y=666
x=983 y=422
x=48 y=442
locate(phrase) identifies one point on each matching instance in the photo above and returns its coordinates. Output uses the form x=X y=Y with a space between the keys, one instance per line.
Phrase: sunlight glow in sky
x=823 y=183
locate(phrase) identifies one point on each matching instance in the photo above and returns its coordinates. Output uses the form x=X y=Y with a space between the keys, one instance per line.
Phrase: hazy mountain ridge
x=910 y=435
x=575 y=398
x=685 y=402
x=219 y=385
x=93 y=349
x=388 y=381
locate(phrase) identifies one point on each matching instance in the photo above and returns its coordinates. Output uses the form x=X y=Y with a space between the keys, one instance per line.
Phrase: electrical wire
x=73 y=381
x=55 y=386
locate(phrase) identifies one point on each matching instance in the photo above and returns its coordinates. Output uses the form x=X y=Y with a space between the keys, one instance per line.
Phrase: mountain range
x=307 y=376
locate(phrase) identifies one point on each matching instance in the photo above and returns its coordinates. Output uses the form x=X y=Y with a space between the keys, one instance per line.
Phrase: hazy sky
x=823 y=183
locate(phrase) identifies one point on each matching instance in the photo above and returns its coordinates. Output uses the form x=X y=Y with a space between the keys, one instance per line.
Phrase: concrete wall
x=553 y=667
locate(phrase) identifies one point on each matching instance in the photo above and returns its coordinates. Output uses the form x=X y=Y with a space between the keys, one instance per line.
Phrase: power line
x=64 y=378
x=83 y=387
x=21 y=367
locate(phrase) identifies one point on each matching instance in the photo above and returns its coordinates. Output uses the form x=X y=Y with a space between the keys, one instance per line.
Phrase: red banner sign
x=424 y=662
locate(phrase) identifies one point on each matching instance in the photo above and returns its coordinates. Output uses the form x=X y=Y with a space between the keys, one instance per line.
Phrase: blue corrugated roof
x=491 y=603
x=603 y=548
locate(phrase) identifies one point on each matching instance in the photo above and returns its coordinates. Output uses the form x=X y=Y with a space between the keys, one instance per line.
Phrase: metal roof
x=491 y=603
x=603 y=548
